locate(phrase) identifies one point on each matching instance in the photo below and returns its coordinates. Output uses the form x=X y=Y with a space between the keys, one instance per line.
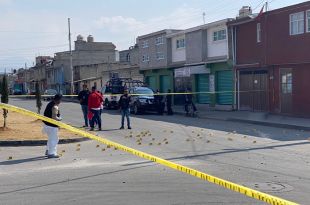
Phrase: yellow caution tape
x=188 y=93
x=269 y=199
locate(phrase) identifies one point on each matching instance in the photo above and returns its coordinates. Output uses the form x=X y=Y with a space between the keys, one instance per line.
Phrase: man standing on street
x=124 y=103
x=169 y=102
x=52 y=111
x=159 y=101
x=83 y=98
x=189 y=103
x=95 y=101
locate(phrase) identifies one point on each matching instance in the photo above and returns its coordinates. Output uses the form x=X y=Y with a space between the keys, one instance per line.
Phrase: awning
x=248 y=65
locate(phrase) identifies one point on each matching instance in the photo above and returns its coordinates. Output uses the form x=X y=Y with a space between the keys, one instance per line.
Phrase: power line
x=19 y=31
x=32 y=48
x=260 y=4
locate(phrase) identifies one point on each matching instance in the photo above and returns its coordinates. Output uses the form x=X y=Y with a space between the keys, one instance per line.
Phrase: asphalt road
x=271 y=160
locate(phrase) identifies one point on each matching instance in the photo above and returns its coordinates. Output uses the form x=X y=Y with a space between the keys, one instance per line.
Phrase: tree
x=38 y=98
x=5 y=97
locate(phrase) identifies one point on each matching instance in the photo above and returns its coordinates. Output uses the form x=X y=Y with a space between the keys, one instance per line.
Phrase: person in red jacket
x=95 y=100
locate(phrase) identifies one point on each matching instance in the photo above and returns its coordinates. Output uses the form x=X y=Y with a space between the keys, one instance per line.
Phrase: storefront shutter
x=151 y=82
x=203 y=86
x=224 y=87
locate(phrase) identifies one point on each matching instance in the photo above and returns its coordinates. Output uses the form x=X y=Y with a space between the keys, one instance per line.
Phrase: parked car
x=17 y=92
x=49 y=93
x=114 y=88
x=142 y=100
x=32 y=92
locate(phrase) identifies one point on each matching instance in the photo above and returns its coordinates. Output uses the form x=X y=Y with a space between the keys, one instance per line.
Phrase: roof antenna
x=204 y=17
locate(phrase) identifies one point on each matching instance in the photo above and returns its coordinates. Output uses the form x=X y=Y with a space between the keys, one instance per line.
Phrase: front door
x=253 y=90
x=286 y=82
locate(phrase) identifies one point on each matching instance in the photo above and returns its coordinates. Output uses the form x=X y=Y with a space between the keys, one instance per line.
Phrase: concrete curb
x=39 y=142
x=271 y=124
x=254 y=122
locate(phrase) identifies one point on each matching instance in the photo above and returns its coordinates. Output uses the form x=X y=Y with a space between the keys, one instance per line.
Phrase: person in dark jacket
x=124 y=104
x=83 y=98
x=159 y=102
x=169 y=102
x=189 y=102
x=52 y=111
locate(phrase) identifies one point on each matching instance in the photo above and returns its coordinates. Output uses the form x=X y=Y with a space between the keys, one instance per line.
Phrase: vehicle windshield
x=145 y=91
x=114 y=89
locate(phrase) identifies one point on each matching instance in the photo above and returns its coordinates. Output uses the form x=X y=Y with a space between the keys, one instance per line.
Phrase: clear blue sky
x=39 y=27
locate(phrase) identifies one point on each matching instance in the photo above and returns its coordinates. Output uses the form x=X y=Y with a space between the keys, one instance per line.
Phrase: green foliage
x=4 y=90
x=38 y=97
x=5 y=97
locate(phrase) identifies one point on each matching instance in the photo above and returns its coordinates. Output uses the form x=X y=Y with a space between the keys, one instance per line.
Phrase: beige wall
x=100 y=73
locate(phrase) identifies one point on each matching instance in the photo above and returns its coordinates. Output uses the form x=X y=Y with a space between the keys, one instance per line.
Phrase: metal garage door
x=203 y=86
x=165 y=83
x=151 y=82
x=253 y=87
x=224 y=87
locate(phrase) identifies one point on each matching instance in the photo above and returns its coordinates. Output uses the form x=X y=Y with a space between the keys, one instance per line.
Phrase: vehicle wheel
x=135 y=109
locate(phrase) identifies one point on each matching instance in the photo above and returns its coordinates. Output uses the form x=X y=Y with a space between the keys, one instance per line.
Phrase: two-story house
x=202 y=63
x=153 y=60
x=272 y=56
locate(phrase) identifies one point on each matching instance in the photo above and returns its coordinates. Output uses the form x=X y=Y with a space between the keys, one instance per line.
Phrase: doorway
x=286 y=90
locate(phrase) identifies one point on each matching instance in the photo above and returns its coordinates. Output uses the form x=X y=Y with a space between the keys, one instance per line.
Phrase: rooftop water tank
x=90 y=38
x=80 y=38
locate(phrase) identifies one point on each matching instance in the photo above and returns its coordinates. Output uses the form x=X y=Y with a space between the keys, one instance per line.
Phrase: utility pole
x=204 y=17
x=266 y=6
x=71 y=66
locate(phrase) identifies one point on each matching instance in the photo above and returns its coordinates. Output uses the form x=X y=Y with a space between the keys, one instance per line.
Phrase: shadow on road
x=21 y=161
x=71 y=180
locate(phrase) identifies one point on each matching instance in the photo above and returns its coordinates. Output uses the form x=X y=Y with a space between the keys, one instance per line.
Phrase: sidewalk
x=258 y=118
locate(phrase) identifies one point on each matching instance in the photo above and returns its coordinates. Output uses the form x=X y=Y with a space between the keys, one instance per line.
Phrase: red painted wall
x=300 y=92
x=278 y=49
x=248 y=50
x=283 y=48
